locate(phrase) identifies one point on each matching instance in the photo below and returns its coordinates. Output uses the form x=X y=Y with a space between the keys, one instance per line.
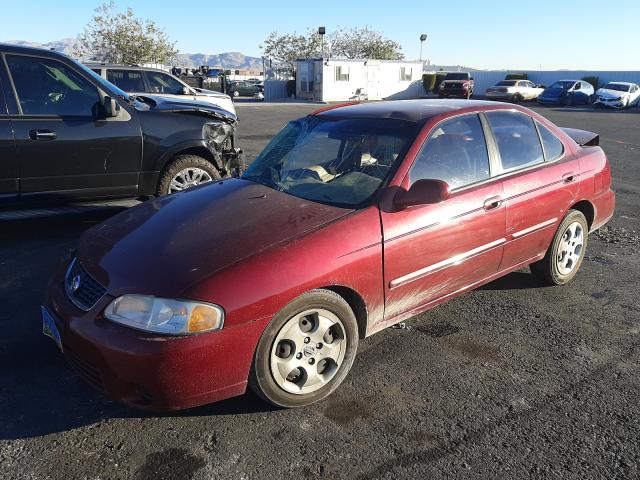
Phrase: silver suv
x=140 y=80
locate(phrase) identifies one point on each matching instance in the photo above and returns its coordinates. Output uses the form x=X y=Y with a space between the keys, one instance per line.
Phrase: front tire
x=186 y=171
x=306 y=351
x=566 y=253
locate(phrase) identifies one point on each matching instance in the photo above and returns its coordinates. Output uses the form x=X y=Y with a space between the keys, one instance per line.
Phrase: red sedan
x=351 y=220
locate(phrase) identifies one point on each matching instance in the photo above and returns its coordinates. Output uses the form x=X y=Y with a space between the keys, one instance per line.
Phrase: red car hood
x=169 y=244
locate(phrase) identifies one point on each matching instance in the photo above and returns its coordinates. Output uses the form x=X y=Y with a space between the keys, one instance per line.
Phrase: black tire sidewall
x=261 y=379
x=180 y=162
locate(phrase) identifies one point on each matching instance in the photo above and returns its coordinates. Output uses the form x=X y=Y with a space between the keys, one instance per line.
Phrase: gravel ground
x=513 y=380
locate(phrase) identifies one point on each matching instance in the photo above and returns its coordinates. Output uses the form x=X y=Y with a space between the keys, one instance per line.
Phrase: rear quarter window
x=553 y=147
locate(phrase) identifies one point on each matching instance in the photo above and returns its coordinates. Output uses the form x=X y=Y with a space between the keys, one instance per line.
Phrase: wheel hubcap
x=570 y=248
x=308 y=351
x=189 y=177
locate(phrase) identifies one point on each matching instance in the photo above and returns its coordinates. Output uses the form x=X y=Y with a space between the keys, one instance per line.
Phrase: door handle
x=568 y=177
x=492 y=202
x=42 y=135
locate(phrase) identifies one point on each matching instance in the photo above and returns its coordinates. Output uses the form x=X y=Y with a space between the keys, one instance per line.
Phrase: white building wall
x=377 y=79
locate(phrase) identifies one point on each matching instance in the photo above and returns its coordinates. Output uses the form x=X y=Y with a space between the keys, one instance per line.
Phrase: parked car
x=618 y=95
x=456 y=84
x=514 y=90
x=245 y=89
x=350 y=220
x=66 y=133
x=141 y=80
x=567 y=92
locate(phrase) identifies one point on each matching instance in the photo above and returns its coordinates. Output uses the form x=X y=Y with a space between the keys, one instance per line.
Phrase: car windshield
x=341 y=162
x=616 y=86
x=457 y=76
x=563 y=84
x=107 y=85
x=506 y=83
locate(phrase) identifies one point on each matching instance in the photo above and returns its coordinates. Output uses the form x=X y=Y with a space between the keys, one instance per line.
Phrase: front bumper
x=151 y=371
x=454 y=92
x=610 y=103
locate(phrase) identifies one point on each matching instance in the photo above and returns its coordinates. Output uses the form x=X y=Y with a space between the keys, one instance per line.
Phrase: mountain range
x=229 y=60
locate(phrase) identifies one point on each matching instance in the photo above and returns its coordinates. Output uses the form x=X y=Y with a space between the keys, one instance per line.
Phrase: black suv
x=68 y=134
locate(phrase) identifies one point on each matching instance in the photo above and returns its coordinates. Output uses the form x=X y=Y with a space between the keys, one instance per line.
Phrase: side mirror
x=471 y=78
x=423 y=192
x=110 y=107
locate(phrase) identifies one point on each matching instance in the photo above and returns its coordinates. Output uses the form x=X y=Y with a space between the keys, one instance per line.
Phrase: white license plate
x=49 y=327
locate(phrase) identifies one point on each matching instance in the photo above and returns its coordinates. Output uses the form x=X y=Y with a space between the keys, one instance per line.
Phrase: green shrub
x=428 y=82
x=516 y=76
x=593 y=81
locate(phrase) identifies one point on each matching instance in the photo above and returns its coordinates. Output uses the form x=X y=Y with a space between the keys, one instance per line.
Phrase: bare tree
x=121 y=37
x=363 y=42
x=357 y=42
x=288 y=47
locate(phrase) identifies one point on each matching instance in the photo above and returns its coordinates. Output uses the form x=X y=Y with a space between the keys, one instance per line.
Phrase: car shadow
x=519 y=280
x=40 y=394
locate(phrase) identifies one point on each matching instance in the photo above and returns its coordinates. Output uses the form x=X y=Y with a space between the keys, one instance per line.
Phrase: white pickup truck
x=514 y=90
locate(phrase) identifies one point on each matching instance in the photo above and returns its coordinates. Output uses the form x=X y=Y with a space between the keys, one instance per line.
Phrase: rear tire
x=306 y=351
x=566 y=253
x=186 y=171
x=517 y=98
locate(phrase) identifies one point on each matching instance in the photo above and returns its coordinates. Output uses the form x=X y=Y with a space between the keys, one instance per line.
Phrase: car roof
x=119 y=66
x=418 y=110
x=11 y=48
x=626 y=84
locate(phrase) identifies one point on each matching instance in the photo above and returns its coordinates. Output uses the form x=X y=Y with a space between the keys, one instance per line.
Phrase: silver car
x=140 y=80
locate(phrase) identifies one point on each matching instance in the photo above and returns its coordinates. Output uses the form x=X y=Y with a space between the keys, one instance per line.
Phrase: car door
x=432 y=251
x=9 y=167
x=64 y=148
x=540 y=183
x=528 y=90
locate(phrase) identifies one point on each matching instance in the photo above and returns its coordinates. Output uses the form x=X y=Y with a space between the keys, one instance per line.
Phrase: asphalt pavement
x=513 y=380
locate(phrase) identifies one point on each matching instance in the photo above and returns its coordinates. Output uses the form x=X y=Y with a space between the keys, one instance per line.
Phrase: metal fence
x=275 y=90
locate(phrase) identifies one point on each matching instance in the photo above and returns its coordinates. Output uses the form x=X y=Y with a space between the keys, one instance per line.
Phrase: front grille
x=82 y=289
x=86 y=370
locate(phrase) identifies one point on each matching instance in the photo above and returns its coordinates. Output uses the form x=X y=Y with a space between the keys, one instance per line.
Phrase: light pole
x=321 y=32
x=423 y=37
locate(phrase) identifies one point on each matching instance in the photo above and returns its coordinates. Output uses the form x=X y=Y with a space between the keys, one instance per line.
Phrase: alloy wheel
x=189 y=177
x=570 y=248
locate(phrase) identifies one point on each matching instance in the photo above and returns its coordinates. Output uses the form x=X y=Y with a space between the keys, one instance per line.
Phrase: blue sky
x=486 y=34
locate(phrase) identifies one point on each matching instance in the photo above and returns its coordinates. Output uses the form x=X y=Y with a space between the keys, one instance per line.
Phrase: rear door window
x=456 y=152
x=517 y=139
x=127 y=80
x=49 y=87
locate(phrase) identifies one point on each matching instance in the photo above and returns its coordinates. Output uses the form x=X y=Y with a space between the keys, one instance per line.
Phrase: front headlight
x=163 y=315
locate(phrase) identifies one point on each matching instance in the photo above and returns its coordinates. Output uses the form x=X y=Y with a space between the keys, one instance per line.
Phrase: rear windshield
x=617 y=87
x=341 y=162
x=506 y=83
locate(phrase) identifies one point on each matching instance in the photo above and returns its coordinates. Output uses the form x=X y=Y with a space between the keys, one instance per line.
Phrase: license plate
x=49 y=327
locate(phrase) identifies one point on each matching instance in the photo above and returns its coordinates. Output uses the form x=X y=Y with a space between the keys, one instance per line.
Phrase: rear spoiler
x=583 y=137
